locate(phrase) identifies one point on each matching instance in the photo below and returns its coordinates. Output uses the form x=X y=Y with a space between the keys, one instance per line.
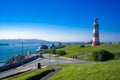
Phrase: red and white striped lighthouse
x=95 y=39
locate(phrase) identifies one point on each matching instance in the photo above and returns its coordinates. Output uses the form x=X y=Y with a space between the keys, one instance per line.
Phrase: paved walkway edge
x=50 y=74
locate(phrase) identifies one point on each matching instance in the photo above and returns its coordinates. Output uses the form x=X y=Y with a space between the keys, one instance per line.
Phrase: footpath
x=50 y=74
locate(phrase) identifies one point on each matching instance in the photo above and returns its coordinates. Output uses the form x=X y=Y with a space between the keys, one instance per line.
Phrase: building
x=39 y=50
x=95 y=39
x=60 y=45
x=52 y=46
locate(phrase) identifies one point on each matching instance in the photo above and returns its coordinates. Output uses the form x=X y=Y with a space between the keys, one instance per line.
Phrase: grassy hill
x=85 y=53
x=109 y=70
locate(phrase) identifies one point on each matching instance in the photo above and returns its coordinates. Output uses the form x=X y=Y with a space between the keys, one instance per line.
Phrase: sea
x=6 y=52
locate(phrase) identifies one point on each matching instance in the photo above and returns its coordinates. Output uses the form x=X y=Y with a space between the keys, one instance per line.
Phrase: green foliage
x=74 y=49
x=56 y=52
x=102 y=55
x=109 y=70
x=82 y=46
x=50 y=51
x=45 y=51
x=61 y=53
x=27 y=75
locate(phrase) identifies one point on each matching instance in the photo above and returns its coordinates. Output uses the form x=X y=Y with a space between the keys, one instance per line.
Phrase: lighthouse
x=95 y=39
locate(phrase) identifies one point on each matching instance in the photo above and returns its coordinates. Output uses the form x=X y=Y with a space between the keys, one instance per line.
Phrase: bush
x=82 y=46
x=45 y=51
x=52 y=51
x=102 y=55
x=49 y=51
x=61 y=53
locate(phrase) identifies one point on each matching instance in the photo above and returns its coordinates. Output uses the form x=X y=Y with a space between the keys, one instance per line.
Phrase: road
x=47 y=60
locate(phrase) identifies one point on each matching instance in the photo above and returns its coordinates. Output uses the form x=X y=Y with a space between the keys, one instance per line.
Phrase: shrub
x=52 y=51
x=61 y=53
x=82 y=46
x=45 y=51
x=102 y=55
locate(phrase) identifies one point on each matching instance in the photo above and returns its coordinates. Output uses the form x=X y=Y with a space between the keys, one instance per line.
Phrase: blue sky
x=59 y=20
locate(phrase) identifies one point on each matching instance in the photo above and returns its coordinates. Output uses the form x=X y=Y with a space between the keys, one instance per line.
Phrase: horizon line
x=50 y=40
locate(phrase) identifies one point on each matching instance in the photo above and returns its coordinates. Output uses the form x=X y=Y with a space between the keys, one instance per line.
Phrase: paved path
x=26 y=67
x=50 y=74
x=53 y=60
x=48 y=60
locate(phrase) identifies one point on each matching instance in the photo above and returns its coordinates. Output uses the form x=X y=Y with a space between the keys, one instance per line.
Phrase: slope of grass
x=75 y=49
x=96 y=71
x=27 y=75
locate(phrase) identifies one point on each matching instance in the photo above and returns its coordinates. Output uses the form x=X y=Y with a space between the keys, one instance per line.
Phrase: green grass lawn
x=75 y=49
x=109 y=70
x=26 y=75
